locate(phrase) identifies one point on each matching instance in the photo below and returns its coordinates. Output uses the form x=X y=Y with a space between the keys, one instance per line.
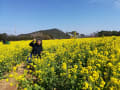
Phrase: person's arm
x=32 y=43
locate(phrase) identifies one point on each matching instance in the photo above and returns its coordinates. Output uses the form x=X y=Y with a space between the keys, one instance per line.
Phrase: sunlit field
x=66 y=64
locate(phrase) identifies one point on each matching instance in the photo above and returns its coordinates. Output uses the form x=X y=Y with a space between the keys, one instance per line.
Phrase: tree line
x=95 y=34
x=108 y=33
x=101 y=33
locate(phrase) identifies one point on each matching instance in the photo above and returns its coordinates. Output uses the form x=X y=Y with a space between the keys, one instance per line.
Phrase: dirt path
x=5 y=85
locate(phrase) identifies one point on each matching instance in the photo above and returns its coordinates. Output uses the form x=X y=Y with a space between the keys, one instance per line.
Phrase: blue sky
x=84 y=16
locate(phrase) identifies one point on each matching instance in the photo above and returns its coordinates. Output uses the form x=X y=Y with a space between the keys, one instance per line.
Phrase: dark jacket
x=36 y=49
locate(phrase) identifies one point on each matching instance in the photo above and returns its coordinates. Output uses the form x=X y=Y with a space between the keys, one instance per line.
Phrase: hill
x=46 y=34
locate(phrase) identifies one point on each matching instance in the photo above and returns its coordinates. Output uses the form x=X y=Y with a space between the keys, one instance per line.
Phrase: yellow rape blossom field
x=65 y=64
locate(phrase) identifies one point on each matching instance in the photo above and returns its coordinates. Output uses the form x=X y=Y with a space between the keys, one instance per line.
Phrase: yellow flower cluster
x=11 y=55
x=76 y=64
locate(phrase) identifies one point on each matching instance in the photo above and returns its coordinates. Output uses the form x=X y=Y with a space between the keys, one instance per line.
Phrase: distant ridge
x=47 y=34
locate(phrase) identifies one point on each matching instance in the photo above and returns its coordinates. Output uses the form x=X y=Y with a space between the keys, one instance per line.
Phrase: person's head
x=39 y=42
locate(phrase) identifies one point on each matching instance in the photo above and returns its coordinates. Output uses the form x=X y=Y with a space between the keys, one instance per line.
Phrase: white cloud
x=117 y=3
x=114 y=3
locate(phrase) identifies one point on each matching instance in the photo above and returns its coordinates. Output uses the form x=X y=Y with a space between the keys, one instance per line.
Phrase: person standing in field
x=36 y=48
